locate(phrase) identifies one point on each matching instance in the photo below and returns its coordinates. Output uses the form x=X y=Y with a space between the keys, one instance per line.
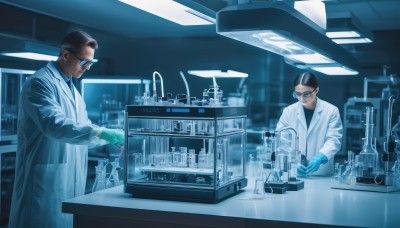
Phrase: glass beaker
x=202 y=158
x=134 y=164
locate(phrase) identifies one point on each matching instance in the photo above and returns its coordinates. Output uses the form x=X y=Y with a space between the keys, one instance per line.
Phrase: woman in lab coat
x=317 y=123
x=53 y=137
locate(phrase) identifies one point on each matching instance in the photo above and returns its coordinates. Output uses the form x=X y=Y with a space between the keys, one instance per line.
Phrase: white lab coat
x=51 y=160
x=323 y=136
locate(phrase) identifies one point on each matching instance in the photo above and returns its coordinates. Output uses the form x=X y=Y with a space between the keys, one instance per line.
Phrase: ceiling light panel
x=172 y=11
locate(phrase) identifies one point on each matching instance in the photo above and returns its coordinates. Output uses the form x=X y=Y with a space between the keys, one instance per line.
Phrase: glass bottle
x=368 y=155
x=202 y=158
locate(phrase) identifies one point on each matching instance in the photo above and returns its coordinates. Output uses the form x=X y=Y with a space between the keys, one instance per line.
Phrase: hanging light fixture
x=345 y=28
x=30 y=50
x=279 y=28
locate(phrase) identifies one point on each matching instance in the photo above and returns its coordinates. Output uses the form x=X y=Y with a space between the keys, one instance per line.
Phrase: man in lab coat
x=317 y=123
x=53 y=137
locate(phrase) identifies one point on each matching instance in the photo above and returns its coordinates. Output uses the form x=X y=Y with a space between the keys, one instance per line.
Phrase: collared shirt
x=66 y=79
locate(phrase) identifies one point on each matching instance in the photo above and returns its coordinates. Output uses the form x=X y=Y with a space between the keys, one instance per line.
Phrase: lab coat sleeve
x=333 y=138
x=43 y=107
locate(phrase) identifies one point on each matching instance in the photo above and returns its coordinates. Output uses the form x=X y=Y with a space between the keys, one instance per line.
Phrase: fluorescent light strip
x=218 y=74
x=31 y=55
x=337 y=70
x=311 y=58
x=34 y=56
x=171 y=11
x=112 y=81
x=343 y=34
x=352 y=41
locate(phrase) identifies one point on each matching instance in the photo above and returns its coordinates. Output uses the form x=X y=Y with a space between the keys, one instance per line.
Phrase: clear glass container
x=369 y=155
x=187 y=153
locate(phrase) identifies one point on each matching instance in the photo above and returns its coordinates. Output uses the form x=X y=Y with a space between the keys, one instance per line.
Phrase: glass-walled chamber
x=105 y=98
x=185 y=153
x=11 y=81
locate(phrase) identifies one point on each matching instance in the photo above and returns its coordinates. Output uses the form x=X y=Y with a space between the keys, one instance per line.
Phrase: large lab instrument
x=373 y=169
x=188 y=153
x=354 y=111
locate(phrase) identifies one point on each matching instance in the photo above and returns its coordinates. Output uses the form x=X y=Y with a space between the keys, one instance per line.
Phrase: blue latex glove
x=113 y=136
x=315 y=162
x=301 y=170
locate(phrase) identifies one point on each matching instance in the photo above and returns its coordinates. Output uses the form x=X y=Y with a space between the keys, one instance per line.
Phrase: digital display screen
x=178 y=110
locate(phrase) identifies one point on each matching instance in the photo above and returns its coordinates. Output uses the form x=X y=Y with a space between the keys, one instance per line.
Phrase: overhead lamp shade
x=30 y=50
x=345 y=28
x=277 y=27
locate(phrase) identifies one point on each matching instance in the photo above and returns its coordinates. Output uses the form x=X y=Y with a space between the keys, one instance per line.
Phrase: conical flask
x=368 y=155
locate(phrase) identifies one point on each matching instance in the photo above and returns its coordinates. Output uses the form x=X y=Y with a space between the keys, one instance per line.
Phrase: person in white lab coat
x=317 y=123
x=53 y=137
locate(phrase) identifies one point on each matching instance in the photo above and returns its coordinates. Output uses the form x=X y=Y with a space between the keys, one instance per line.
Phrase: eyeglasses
x=83 y=62
x=305 y=94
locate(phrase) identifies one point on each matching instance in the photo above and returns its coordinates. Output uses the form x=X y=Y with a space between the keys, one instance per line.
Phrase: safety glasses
x=83 y=62
x=305 y=94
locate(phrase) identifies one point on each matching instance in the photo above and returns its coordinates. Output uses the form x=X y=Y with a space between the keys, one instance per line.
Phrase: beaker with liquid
x=135 y=164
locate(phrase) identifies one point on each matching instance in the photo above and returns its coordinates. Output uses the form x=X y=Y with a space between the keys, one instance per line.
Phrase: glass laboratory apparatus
x=368 y=158
x=186 y=153
x=286 y=157
x=105 y=98
x=371 y=170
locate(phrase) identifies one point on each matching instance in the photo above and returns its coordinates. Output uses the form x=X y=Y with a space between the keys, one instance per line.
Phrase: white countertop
x=317 y=203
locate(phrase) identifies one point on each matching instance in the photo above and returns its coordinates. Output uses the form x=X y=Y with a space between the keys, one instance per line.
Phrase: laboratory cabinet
x=11 y=81
x=185 y=153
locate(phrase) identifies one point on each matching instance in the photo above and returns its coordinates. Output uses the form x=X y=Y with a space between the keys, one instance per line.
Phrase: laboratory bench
x=317 y=205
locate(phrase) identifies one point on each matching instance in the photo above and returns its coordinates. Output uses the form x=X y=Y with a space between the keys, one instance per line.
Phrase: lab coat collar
x=57 y=74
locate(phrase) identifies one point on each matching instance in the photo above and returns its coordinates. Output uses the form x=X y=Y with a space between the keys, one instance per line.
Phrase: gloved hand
x=315 y=162
x=301 y=170
x=113 y=136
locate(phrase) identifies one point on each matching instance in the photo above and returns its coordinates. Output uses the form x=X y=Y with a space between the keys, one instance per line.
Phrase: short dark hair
x=307 y=79
x=74 y=40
